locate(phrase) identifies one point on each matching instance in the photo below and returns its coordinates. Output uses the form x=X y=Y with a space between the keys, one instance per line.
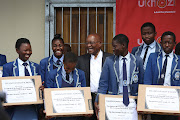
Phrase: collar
x=20 y=62
x=170 y=54
x=100 y=54
x=64 y=72
x=152 y=45
x=55 y=58
x=127 y=57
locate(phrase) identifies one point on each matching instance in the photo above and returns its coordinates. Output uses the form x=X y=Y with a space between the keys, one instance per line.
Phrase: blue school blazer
x=109 y=80
x=54 y=79
x=154 y=67
x=2 y=60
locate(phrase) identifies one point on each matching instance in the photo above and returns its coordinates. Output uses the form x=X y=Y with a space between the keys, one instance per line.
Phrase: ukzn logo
x=156 y=3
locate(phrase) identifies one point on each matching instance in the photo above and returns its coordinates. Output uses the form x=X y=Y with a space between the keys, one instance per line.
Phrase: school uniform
x=48 y=64
x=153 y=74
x=57 y=79
x=2 y=60
x=15 y=68
x=110 y=82
x=141 y=50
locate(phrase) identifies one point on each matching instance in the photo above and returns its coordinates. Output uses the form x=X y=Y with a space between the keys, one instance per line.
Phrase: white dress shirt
x=128 y=59
x=21 y=67
x=151 y=49
x=95 y=71
x=167 y=79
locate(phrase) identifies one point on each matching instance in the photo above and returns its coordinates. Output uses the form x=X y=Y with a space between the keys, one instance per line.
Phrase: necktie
x=125 y=89
x=144 y=58
x=25 y=69
x=67 y=76
x=58 y=62
x=163 y=72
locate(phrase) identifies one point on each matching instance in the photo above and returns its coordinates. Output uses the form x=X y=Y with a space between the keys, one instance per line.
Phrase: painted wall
x=22 y=18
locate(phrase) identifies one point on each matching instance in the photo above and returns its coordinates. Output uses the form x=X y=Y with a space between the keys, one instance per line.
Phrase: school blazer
x=11 y=69
x=54 y=79
x=109 y=80
x=2 y=60
x=137 y=50
x=154 y=67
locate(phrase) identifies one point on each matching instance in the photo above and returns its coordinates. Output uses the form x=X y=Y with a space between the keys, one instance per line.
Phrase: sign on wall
x=131 y=14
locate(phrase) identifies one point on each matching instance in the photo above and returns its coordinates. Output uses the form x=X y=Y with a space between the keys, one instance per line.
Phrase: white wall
x=22 y=18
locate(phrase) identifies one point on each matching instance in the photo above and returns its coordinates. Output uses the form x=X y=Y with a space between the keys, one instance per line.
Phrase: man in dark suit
x=91 y=63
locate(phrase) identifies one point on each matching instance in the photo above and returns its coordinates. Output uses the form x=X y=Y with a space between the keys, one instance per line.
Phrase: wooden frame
x=49 y=104
x=102 y=104
x=37 y=80
x=141 y=101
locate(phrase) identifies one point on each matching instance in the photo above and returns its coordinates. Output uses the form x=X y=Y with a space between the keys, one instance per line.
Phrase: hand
x=96 y=109
x=47 y=117
x=42 y=86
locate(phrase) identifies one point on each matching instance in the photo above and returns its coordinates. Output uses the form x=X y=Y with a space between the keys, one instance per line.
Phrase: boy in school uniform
x=148 y=33
x=22 y=67
x=121 y=72
x=67 y=76
x=163 y=68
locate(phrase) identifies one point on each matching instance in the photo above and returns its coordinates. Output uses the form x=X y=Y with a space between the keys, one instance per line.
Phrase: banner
x=132 y=14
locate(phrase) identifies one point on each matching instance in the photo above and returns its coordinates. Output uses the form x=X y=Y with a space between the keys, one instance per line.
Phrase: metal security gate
x=76 y=19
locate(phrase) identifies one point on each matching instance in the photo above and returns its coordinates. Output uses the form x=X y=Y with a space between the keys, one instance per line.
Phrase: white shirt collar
x=152 y=45
x=20 y=62
x=55 y=58
x=170 y=54
x=99 y=55
x=127 y=57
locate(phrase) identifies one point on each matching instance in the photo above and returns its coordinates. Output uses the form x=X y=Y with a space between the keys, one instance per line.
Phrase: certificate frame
x=142 y=101
x=37 y=82
x=102 y=104
x=49 y=105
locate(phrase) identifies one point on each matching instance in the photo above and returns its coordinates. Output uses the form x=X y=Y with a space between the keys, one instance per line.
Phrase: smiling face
x=93 y=44
x=58 y=48
x=148 y=35
x=24 y=51
x=168 y=43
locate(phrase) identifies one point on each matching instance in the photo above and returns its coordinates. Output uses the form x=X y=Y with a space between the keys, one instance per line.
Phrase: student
x=22 y=67
x=2 y=60
x=56 y=60
x=67 y=76
x=112 y=80
x=91 y=63
x=148 y=33
x=163 y=68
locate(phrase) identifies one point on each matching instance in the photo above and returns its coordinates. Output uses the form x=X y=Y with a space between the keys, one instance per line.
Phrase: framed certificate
x=21 y=90
x=71 y=101
x=112 y=108
x=157 y=99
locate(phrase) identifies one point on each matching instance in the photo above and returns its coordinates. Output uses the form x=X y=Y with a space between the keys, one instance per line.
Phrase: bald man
x=91 y=63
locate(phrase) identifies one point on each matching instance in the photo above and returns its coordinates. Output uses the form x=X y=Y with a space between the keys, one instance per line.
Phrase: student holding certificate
x=22 y=67
x=67 y=76
x=121 y=72
x=164 y=68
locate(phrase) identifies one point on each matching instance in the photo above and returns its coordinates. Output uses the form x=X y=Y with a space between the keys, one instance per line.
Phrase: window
x=76 y=20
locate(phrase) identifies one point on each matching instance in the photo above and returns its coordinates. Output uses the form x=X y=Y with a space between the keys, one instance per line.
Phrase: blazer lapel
x=116 y=67
x=58 y=78
x=159 y=64
x=15 y=68
x=139 y=50
x=174 y=63
x=50 y=63
x=132 y=66
x=75 y=77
